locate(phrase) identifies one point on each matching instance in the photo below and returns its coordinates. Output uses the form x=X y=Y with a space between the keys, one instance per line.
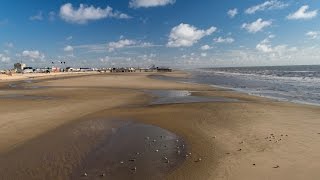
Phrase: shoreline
x=229 y=137
x=239 y=91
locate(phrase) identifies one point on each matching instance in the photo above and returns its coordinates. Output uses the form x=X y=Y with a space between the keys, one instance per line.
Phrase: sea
x=299 y=84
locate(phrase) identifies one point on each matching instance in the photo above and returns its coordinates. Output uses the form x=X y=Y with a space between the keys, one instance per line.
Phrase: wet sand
x=250 y=138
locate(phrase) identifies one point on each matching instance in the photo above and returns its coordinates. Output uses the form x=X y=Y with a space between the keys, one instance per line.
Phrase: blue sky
x=178 y=33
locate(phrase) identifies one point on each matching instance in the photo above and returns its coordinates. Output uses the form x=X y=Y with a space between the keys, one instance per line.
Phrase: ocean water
x=300 y=84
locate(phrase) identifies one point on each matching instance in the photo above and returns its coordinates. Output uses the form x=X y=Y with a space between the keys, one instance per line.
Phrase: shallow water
x=116 y=149
x=25 y=97
x=182 y=96
x=134 y=151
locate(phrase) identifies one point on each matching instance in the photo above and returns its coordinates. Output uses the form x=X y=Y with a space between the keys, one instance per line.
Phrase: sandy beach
x=49 y=128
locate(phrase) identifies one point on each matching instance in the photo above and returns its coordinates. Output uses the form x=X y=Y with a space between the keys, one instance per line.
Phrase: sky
x=175 y=33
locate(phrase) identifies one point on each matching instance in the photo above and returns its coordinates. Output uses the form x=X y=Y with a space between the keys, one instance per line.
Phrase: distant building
x=19 y=67
x=164 y=69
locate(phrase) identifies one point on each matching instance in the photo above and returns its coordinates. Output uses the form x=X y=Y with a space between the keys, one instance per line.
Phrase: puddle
x=101 y=149
x=182 y=96
x=24 y=97
x=25 y=84
x=135 y=151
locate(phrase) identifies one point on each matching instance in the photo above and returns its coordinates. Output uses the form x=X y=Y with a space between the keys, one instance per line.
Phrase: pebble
x=157 y=150
x=103 y=174
x=198 y=160
x=239 y=149
x=85 y=174
x=253 y=164
x=132 y=160
x=214 y=136
x=277 y=166
x=121 y=162
x=154 y=140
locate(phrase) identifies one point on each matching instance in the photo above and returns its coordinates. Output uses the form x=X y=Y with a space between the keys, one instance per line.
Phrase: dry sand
x=254 y=138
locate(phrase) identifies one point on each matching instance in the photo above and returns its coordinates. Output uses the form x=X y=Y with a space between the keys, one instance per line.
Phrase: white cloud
x=149 y=3
x=303 y=13
x=87 y=13
x=33 y=54
x=205 y=47
x=68 y=48
x=267 y=5
x=185 y=35
x=256 y=26
x=37 y=17
x=120 y=44
x=105 y=59
x=313 y=34
x=265 y=46
x=226 y=40
x=9 y=45
x=69 y=38
x=52 y=16
x=203 y=54
x=4 y=58
x=232 y=12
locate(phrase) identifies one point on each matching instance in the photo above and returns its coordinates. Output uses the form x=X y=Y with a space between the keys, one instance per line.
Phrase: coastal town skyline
x=163 y=32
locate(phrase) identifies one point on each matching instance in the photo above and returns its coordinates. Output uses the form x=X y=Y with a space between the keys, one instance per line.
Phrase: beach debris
x=132 y=160
x=85 y=174
x=137 y=153
x=189 y=153
x=178 y=151
x=239 y=149
x=186 y=155
x=134 y=169
x=165 y=158
x=253 y=164
x=121 y=162
x=157 y=150
x=177 y=140
x=154 y=140
x=277 y=166
x=198 y=160
x=103 y=174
